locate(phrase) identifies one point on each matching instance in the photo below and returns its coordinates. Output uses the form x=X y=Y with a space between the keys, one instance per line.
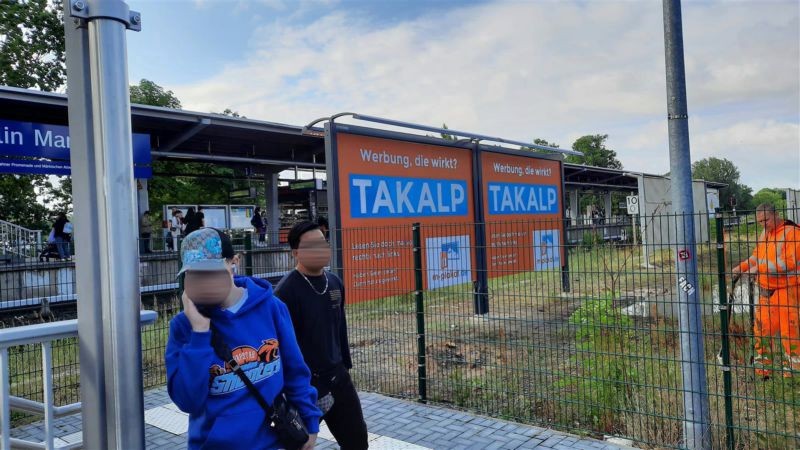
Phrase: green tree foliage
x=169 y=187
x=774 y=197
x=447 y=137
x=724 y=171
x=594 y=152
x=149 y=93
x=539 y=141
x=32 y=44
x=31 y=56
x=18 y=202
x=232 y=113
x=544 y=142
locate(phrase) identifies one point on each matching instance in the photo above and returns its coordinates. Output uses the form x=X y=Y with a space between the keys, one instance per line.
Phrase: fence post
x=248 y=254
x=724 y=316
x=418 y=296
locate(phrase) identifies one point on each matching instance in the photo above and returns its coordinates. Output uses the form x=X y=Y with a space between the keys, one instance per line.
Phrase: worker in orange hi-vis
x=776 y=261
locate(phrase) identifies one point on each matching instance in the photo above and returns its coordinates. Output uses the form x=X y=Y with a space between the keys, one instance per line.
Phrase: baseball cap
x=205 y=250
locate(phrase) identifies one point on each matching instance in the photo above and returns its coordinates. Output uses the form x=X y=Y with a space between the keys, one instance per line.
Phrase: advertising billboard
x=240 y=217
x=384 y=185
x=523 y=212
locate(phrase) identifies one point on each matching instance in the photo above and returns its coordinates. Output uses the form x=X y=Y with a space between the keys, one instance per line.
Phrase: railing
x=18 y=241
x=48 y=280
x=43 y=334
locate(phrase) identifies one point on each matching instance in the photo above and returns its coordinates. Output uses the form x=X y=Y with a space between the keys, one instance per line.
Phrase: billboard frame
x=332 y=161
x=565 y=285
x=476 y=149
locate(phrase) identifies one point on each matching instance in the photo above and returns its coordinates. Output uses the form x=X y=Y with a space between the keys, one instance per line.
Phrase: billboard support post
x=419 y=302
x=481 y=285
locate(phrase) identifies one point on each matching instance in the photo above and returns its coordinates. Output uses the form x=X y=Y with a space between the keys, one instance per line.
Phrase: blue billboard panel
x=375 y=196
x=517 y=198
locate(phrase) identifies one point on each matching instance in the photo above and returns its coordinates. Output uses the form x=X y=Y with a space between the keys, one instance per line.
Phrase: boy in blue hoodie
x=258 y=329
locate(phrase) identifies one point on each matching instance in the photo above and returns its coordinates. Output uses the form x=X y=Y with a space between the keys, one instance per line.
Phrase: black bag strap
x=223 y=352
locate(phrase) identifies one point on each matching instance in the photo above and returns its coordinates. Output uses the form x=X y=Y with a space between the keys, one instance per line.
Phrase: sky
x=521 y=70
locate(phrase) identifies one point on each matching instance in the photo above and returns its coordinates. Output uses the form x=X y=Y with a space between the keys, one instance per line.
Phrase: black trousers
x=345 y=418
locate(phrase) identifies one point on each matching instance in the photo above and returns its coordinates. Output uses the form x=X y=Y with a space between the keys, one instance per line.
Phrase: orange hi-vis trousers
x=778 y=315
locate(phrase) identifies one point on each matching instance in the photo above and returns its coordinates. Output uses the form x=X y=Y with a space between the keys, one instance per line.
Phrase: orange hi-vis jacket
x=777 y=255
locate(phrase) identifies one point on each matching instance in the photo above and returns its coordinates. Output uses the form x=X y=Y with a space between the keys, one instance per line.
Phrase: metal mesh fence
x=580 y=334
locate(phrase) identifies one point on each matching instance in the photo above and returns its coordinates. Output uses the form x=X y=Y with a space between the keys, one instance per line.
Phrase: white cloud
x=767 y=152
x=521 y=70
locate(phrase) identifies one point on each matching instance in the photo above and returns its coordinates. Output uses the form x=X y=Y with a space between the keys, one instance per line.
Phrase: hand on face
x=199 y=322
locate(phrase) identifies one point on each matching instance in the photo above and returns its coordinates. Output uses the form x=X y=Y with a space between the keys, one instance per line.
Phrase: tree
x=544 y=142
x=231 y=113
x=32 y=44
x=724 y=171
x=58 y=196
x=168 y=186
x=594 y=152
x=539 y=141
x=31 y=56
x=149 y=93
x=447 y=137
x=774 y=197
x=18 y=203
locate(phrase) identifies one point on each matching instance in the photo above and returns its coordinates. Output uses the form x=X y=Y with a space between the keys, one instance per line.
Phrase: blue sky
x=518 y=69
x=184 y=41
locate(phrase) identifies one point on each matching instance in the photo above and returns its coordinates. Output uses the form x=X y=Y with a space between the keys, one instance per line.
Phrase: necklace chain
x=312 y=286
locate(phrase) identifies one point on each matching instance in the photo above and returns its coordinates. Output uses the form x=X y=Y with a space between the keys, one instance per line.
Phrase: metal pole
x=273 y=208
x=481 y=286
x=248 y=254
x=564 y=247
x=696 y=424
x=420 y=307
x=724 y=316
x=105 y=205
x=5 y=399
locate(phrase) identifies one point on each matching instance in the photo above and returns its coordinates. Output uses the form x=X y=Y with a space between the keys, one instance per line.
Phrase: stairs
x=17 y=243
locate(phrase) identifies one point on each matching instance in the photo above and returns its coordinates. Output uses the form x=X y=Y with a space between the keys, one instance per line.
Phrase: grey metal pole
x=90 y=318
x=273 y=208
x=696 y=424
x=105 y=223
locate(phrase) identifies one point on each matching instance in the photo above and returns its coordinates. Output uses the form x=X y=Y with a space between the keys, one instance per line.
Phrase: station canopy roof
x=176 y=134
x=263 y=147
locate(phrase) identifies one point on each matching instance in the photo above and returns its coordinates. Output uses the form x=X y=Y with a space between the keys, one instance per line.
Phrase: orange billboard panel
x=386 y=185
x=523 y=212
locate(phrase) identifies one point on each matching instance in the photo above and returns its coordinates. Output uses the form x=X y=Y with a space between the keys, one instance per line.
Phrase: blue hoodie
x=222 y=412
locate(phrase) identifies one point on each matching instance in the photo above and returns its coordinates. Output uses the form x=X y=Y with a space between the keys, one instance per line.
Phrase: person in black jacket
x=260 y=225
x=62 y=236
x=194 y=220
x=316 y=299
